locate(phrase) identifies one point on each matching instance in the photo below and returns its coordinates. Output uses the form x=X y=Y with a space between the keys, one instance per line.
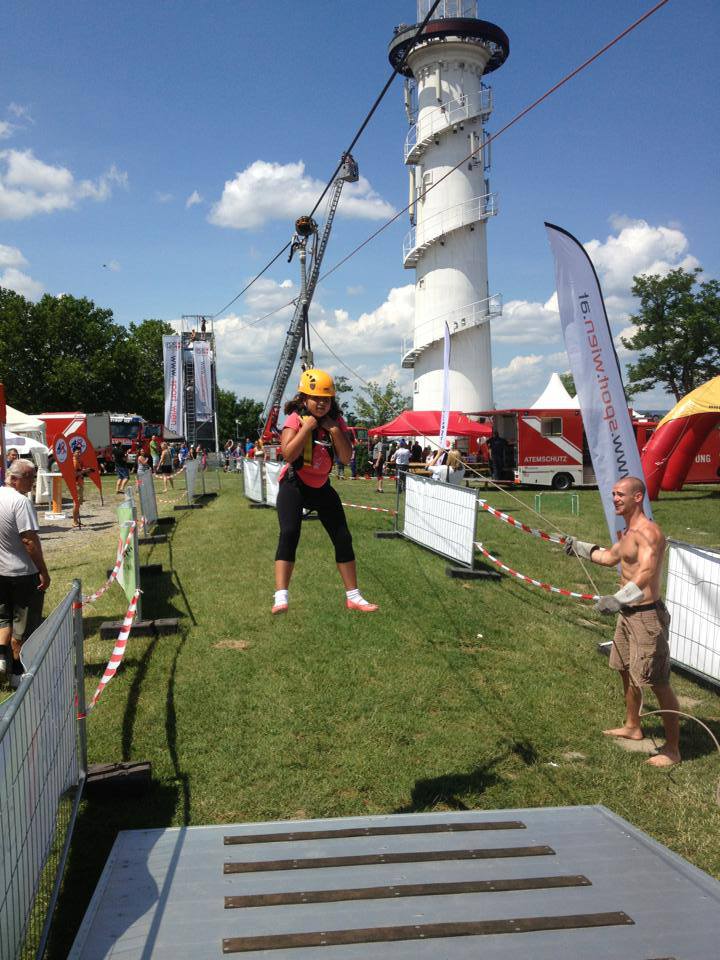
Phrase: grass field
x=457 y=694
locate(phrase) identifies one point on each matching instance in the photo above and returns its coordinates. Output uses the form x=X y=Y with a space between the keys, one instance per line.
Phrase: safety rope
x=118 y=653
x=122 y=550
x=531 y=580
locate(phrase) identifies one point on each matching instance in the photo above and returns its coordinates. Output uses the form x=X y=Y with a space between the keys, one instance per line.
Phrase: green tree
x=237 y=419
x=63 y=353
x=342 y=386
x=145 y=343
x=568 y=381
x=16 y=355
x=381 y=403
x=679 y=327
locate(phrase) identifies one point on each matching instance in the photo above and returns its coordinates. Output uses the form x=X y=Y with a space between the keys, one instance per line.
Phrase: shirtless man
x=640 y=649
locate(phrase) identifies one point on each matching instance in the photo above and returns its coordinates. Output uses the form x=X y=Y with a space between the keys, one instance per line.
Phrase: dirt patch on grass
x=59 y=536
x=231 y=645
x=688 y=704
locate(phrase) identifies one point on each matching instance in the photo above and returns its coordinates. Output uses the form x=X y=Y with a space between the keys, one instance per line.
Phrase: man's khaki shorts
x=641 y=645
x=21 y=604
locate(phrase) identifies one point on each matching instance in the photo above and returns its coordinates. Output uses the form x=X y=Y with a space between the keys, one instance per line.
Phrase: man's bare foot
x=627 y=733
x=664 y=758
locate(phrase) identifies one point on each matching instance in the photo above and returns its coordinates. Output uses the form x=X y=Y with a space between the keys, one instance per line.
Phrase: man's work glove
x=616 y=601
x=579 y=548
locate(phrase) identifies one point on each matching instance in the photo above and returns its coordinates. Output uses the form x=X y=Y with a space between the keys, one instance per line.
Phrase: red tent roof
x=426 y=423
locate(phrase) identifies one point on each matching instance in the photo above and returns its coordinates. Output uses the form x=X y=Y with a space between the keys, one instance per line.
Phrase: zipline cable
x=254 y=279
x=348 y=150
x=489 y=140
x=378 y=100
x=494 y=136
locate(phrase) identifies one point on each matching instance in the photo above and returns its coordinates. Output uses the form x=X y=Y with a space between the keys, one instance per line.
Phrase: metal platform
x=548 y=884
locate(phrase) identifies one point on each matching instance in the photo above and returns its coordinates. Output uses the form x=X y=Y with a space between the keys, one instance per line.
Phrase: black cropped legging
x=293 y=495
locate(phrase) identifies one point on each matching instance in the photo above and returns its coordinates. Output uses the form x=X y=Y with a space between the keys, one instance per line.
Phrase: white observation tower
x=447 y=104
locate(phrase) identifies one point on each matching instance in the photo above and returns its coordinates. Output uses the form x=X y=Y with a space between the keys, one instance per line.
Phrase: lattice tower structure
x=199 y=327
x=447 y=104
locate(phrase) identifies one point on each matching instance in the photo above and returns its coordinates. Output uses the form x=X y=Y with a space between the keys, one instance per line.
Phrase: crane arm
x=298 y=325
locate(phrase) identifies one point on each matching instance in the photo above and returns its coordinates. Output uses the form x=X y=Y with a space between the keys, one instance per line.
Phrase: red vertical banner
x=64 y=460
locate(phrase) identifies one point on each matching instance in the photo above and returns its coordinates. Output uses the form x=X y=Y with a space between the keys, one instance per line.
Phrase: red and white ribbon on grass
x=122 y=550
x=507 y=518
x=361 y=506
x=118 y=651
x=531 y=580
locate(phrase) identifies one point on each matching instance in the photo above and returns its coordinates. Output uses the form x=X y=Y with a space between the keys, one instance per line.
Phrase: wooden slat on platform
x=396 y=831
x=415 y=856
x=423 y=931
x=404 y=890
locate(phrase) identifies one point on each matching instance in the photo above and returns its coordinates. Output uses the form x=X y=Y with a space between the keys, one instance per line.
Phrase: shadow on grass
x=97 y=826
x=454 y=789
x=98 y=823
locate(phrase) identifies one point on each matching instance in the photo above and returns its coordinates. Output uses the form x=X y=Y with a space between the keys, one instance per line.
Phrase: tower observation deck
x=447 y=104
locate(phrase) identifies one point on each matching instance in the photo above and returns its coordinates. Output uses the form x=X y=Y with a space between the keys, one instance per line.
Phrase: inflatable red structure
x=671 y=450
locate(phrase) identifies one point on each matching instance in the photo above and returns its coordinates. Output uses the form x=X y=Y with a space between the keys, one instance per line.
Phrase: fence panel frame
x=272 y=470
x=253 y=479
x=694 y=618
x=25 y=722
x=452 y=495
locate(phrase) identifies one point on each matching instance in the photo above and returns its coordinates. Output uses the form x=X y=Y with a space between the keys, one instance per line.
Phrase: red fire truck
x=548 y=447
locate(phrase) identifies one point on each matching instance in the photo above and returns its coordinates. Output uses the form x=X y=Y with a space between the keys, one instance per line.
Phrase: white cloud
x=370 y=344
x=14 y=279
x=274 y=191
x=161 y=197
x=635 y=248
x=20 y=112
x=6 y=129
x=638 y=248
x=193 y=199
x=355 y=291
x=525 y=321
x=113 y=266
x=28 y=186
x=11 y=257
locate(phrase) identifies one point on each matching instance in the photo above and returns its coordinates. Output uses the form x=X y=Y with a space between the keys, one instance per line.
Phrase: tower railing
x=461 y=318
x=442 y=118
x=445 y=222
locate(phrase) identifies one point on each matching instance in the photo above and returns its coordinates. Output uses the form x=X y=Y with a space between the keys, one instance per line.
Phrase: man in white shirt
x=24 y=577
x=401 y=459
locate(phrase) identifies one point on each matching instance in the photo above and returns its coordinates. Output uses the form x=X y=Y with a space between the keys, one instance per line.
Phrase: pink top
x=322 y=460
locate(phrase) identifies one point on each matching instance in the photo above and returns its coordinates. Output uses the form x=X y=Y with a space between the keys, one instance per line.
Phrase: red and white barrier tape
x=122 y=550
x=118 y=651
x=531 y=580
x=507 y=518
x=360 y=506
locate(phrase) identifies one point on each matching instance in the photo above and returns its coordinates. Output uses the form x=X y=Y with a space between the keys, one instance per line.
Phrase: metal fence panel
x=253 y=479
x=442 y=517
x=148 y=501
x=42 y=772
x=191 y=469
x=272 y=481
x=693 y=599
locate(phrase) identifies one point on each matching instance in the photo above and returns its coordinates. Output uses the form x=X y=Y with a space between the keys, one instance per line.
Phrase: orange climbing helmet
x=317 y=383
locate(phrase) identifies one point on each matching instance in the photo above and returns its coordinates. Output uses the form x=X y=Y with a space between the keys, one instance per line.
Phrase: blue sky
x=153 y=156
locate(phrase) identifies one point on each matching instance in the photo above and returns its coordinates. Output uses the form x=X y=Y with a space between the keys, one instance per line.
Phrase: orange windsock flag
x=64 y=460
x=76 y=435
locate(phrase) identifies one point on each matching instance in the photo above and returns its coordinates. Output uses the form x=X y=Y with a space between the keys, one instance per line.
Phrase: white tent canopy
x=555 y=397
x=25 y=425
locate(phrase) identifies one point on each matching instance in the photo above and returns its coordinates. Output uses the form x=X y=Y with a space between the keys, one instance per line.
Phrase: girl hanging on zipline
x=313 y=435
